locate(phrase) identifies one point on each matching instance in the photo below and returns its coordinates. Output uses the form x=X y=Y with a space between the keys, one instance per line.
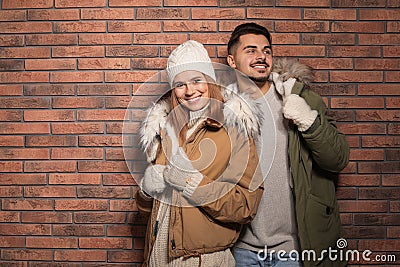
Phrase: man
x=298 y=211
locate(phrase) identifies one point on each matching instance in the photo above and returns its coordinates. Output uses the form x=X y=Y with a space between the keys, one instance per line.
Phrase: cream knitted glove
x=153 y=181
x=181 y=174
x=296 y=108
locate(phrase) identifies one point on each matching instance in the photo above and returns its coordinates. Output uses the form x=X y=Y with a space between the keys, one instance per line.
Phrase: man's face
x=253 y=57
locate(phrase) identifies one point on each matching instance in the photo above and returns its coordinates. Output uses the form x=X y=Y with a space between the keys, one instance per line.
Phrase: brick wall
x=68 y=69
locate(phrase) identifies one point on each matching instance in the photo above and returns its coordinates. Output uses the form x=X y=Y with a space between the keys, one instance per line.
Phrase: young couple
x=239 y=175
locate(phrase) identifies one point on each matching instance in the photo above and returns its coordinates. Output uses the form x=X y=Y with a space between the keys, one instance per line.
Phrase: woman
x=202 y=183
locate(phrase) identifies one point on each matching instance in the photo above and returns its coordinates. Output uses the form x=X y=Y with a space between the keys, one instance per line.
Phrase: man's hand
x=296 y=108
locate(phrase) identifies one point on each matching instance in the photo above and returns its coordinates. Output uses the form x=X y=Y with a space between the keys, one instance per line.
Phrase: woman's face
x=191 y=89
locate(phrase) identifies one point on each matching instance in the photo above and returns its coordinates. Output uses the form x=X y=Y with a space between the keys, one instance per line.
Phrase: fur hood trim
x=292 y=68
x=239 y=110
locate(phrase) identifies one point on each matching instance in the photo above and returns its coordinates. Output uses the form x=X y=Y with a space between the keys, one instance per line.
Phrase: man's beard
x=259 y=79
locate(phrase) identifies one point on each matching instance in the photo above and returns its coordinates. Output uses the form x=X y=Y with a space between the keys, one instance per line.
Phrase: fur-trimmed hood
x=240 y=110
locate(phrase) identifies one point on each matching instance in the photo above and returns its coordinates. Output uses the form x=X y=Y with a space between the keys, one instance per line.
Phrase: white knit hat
x=191 y=55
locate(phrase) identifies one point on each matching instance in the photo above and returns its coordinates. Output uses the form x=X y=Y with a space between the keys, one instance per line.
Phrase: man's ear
x=231 y=61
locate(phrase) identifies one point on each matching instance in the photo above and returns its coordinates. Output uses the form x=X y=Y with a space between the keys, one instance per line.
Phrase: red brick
x=351 y=3
x=49 y=115
x=78 y=51
x=376 y=219
x=11 y=40
x=46 y=217
x=273 y=13
x=329 y=39
x=356 y=76
x=379 y=39
x=99 y=243
x=103 y=89
x=392 y=102
x=103 y=63
x=393 y=26
x=24 y=153
x=104 y=166
x=119 y=102
x=134 y=26
x=48 y=89
x=393 y=154
x=50 y=64
x=329 y=63
x=284 y=38
x=10 y=115
x=76 y=77
x=25 y=128
x=11 y=166
x=119 y=179
x=26 y=254
x=49 y=166
x=144 y=38
x=149 y=63
x=50 y=141
x=54 y=14
x=130 y=154
x=12 y=242
x=358 y=27
x=299 y=51
x=123 y=205
x=379 y=167
x=53 y=39
x=25 y=27
x=104 y=192
x=77 y=153
x=381 y=141
x=27 y=204
x=24 y=102
x=329 y=14
x=357 y=102
x=81 y=204
x=107 y=14
x=367 y=154
x=189 y=26
x=80 y=255
x=103 y=141
x=22 y=178
x=134 y=3
x=77 y=128
x=15 y=4
x=393 y=128
x=394 y=206
x=100 y=217
x=391 y=51
x=129 y=76
x=121 y=230
x=116 y=127
x=301 y=26
x=379 y=14
x=132 y=51
x=98 y=26
x=379 y=245
x=12 y=15
x=363 y=206
x=79 y=3
x=8 y=216
x=392 y=76
x=101 y=115
x=78 y=230
x=49 y=191
x=377 y=115
x=105 y=39
x=8 y=141
x=10 y=90
x=353 y=51
x=25 y=52
x=363 y=232
x=393 y=232
x=125 y=256
x=197 y=3
x=78 y=102
x=9 y=191
x=24 y=77
x=358 y=180
x=25 y=229
x=51 y=242
x=377 y=64
x=204 y=39
x=164 y=13
x=72 y=178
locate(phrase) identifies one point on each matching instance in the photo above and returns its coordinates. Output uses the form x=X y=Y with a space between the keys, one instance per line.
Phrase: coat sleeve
x=328 y=146
x=239 y=189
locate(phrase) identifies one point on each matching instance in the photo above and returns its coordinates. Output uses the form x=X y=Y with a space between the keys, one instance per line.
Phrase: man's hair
x=247 y=28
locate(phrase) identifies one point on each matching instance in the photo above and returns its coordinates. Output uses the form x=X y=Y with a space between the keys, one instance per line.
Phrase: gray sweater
x=274 y=226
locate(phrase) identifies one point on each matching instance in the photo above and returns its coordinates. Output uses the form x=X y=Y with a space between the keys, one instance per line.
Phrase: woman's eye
x=178 y=85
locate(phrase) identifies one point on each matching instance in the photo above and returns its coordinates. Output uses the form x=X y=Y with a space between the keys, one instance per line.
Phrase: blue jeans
x=247 y=258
